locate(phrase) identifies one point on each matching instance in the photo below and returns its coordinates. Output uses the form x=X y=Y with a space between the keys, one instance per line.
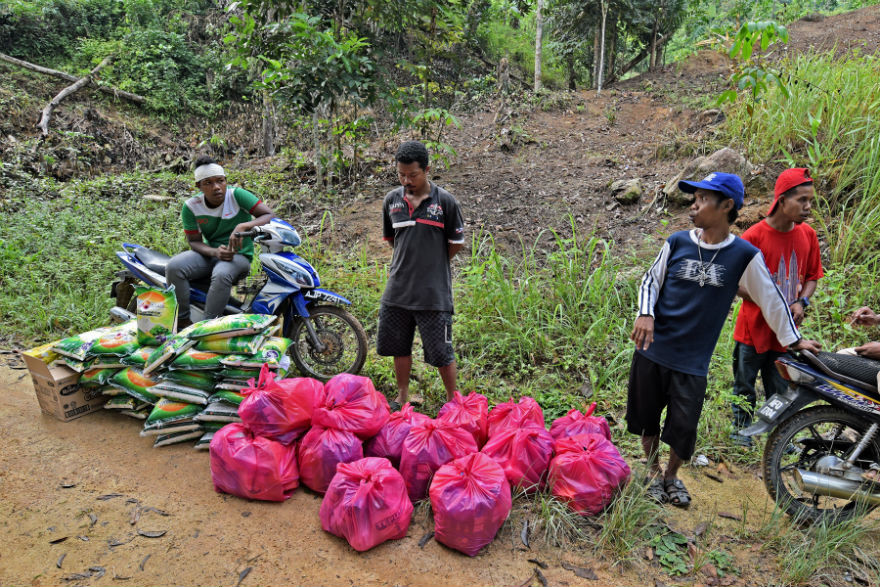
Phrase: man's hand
x=797 y=312
x=870 y=350
x=225 y=253
x=235 y=241
x=806 y=345
x=643 y=332
x=865 y=316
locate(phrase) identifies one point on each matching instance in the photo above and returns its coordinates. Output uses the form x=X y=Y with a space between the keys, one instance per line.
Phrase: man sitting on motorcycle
x=210 y=220
x=865 y=316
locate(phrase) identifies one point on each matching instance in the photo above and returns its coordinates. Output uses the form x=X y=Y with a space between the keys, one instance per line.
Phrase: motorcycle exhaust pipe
x=834 y=487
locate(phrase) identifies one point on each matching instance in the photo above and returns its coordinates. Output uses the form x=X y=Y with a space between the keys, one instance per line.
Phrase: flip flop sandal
x=655 y=491
x=394 y=405
x=677 y=492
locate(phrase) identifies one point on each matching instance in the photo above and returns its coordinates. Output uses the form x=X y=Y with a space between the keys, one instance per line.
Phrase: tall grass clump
x=829 y=122
x=566 y=310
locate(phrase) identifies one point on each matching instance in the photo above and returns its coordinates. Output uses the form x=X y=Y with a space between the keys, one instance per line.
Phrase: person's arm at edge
x=643 y=328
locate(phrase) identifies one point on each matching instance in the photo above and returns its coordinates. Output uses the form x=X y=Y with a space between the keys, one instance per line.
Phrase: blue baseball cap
x=728 y=185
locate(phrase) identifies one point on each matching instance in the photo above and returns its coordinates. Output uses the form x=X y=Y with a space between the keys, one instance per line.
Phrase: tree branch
x=43 y=125
x=634 y=61
x=71 y=78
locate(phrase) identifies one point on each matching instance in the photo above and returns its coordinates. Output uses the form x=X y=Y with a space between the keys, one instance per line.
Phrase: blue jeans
x=746 y=365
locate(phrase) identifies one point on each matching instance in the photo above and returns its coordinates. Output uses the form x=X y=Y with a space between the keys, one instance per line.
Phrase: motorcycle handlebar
x=249 y=233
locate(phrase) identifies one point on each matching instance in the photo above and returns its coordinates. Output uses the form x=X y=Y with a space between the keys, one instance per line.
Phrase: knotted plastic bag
x=253 y=467
x=352 y=403
x=471 y=499
x=586 y=472
x=321 y=450
x=280 y=409
x=366 y=504
x=576 y=422
x=515 y=415
x=523 y=453
x=388 y=443
x=428 y=446
x=470 y=412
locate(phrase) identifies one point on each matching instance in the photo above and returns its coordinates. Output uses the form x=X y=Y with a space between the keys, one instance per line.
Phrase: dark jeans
x=746 y=365
x=189 y=265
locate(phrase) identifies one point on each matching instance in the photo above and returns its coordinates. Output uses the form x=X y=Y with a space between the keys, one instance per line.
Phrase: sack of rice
x=232 y=325
x=170 y=416
x=156 y=314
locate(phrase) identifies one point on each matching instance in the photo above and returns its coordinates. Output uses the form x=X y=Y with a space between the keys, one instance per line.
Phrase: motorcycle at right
x=822 y=457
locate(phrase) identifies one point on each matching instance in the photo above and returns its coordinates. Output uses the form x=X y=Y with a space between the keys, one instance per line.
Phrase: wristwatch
x=804 y=301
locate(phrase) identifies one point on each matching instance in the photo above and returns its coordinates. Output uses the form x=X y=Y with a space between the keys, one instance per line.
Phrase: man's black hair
x=412 y=151
x=204 y=160
x=733 y=213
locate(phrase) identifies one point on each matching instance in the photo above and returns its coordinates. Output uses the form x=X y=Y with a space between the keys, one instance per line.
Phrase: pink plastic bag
x=352 y=403
x=575 y=422
x=515 y=415
x=429 y=445
x=586 y=472
x=251 y=466
x=321 y=450
x=388 y=443
x=470 y=412
x=471 y=499
x=366 y=504
x=523 y=453
x=282 y=409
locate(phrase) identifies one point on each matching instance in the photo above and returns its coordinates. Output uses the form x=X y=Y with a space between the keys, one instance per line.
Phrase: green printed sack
x=177 y=437
x=169 y=350
x=218 y=412
x=78 y=347
x=193 y=360
x=169 y=414
x=246 y=345
x=228 y=396
x=113 y=391
x=233 y=385
x=272 y=353
x=119 y=342
x=97 y=377
x=232 y=325
x=77 y=365
x=139 y=357
x=175 y=391
x=121 y=402
x=135 y=384
x=242 y=374
x=137 y=414
x=203 y=380
x=156 y=314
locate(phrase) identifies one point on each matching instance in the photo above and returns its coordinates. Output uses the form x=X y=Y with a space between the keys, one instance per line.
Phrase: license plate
x=773 y=407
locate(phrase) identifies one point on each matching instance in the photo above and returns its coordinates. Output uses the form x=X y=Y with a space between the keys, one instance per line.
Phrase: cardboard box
x=57 y=387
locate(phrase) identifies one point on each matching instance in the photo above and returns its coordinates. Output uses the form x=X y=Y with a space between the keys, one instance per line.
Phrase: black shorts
x=653 y=387
x=397 y=328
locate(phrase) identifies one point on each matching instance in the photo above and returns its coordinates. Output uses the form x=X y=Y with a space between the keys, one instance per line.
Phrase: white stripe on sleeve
x=649 y=290
x=756 y=282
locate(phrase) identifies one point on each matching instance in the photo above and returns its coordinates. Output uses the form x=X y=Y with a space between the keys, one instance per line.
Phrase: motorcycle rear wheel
x=798 y=443
x=342 y=335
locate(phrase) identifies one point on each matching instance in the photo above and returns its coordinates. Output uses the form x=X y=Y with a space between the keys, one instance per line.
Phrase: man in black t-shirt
x=423 y=224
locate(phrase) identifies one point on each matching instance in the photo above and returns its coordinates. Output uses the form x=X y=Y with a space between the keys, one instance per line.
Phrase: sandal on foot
x=655 y=491
x=394 y=405
x=677 y=492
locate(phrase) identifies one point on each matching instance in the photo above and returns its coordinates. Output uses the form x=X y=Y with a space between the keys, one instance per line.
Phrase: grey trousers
x=189 y=265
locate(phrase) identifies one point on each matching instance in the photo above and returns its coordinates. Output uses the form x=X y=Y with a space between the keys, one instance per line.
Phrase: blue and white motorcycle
x=327 y=338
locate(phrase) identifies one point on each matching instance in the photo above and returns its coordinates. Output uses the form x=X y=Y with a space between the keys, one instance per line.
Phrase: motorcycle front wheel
x=799 y=443
x=343 y=337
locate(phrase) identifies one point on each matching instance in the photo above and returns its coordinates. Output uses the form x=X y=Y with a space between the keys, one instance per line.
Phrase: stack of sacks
x=350 y=411
x=429 y=445
x=256 y=459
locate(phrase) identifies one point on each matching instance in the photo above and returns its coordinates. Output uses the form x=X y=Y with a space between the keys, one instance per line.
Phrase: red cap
x=788 y=179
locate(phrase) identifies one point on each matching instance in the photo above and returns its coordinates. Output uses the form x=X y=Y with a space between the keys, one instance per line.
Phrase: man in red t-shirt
x=791 y=251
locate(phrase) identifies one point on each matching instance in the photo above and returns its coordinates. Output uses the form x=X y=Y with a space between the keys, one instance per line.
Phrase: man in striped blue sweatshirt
x=684 y=299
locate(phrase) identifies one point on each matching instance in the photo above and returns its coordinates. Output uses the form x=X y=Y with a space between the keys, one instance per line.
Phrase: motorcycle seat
x=154 y=260
x=861 y=369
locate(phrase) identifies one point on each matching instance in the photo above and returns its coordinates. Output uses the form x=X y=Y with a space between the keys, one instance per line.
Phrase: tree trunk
x=569 y=61
x=539 y=31
x=268 y=124
x=46 y=116
x=652 y=64
x=597 y=43
x=602 y=50
x=611 y=29
x=71 y=78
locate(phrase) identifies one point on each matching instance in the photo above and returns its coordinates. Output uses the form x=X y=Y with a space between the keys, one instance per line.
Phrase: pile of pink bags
x=340 y=439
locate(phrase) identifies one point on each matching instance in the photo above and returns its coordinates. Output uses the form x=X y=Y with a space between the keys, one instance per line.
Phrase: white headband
x=209 y=170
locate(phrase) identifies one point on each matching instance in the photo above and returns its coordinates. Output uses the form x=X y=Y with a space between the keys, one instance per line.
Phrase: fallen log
x=43 y=125
x=71 y=78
